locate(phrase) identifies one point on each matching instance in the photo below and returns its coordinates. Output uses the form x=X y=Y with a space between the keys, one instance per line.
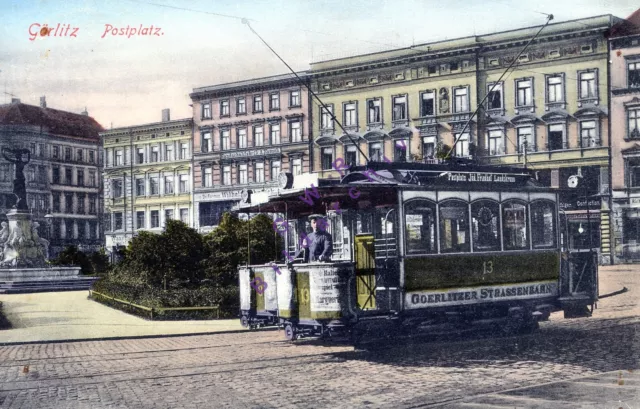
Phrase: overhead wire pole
x=326 y=109
x=515 y=60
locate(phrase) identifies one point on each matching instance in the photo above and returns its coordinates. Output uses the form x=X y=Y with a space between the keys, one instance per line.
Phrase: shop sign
x=253 y=152
x=634 y=202
x=574 y=202
x=483 y=177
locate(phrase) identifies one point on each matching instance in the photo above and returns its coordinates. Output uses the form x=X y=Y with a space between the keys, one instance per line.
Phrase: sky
x=127 y=80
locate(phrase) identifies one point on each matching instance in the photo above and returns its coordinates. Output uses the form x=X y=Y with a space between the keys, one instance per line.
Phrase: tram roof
x=378 y=182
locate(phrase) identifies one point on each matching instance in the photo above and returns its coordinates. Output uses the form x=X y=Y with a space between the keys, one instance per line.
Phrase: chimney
x=15 y=101
x=43 y=102
x=166 y=117
x=85 y=112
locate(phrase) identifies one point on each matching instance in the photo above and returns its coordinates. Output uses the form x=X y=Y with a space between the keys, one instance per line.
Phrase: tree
x=265 y=244
x=71 y=256
x=225 y=250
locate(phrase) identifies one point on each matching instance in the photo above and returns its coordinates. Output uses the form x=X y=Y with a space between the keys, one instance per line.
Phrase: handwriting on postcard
x=67 y=30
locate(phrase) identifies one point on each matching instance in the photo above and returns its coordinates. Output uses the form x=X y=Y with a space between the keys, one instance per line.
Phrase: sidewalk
x=71 y=315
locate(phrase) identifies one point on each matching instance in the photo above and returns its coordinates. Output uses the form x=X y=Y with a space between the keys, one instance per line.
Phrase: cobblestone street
x=260 y=370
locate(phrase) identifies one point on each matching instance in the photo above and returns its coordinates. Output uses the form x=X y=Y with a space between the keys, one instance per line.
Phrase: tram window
x=514 y=219
x=364 y=223
x=485 y=225
x=420 y=227
x=543 y=224
x=454 y=226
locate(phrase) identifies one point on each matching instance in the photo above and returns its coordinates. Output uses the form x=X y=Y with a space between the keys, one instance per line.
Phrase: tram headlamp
x=580 y=229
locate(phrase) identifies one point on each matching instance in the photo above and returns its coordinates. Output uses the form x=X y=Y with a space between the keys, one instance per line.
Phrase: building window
x=588 y=85
x=588 y=134
x=524 y=89
x=632 y=172
x=153 y=185
x=462 y=146
x=168 y=185
x=140 y=155
x=226 y=175
x=428 y=148
x=81 y=198
x=525 y=140
x=241 y=106
x=79 y=155
x=258 y=136
x=242 y=138
x=257 y=103
x=274 y=102
x=427 y=103
x=275 y=170
x=224 y=107
x=327 y=158
x=296 y=131
x=67 y=154
x=461 y=100
x=374 y=111
x=184 y=150
x=351 y=155
x=206 y=142
x=55 y=152
x=80 y=176
x=242 y=174
x=42 y=174
x=68 y=178
x=117 y=221
x=555 y=137
x=350 y=115
x=183 y=183
x=225 y=140
x=326 y=115
x=294 y=99
x=93 y=204
x=399 y=108
x=184 y=216
x=155 y=153
x=155 y=219
x=117 y=188
x=296 y=167
x=139 y=187
x=68 y=202
x=258 y=172
x=554 y=89
x=494 y=99
x=92 y=157
x=207 y=180
x=55 y=175
x=495 y=142
x=275 y=134
x=92 y=178
x=56 y=202
x=401 y=150
x=634 y=123
x=633 y=74
x=376 y=152
x=168 y=215
x=206 y=110
x=118 y=158
x=168 y=152
x=140 y=220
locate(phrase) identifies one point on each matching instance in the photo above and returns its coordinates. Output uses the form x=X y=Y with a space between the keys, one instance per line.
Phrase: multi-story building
x=147 y=178
x=625 y=138
x=245 y=134
x=549 y=113
x=63 y=175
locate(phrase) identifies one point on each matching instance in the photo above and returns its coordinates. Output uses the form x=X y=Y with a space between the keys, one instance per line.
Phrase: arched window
x=543 y=224
x=420 y=226
x=454 y=226
x=485 y=225
x=514 y=219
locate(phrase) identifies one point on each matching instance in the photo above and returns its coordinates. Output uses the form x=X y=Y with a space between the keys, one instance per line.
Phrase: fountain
x=23 y=253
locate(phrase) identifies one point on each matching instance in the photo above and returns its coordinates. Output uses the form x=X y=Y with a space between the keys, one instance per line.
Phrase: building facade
x=63 y=175
x=245 y=134
x=625 y=139
x=549 y=113
x=147 y=178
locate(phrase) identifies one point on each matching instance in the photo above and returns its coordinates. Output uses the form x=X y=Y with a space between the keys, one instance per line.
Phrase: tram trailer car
x=419 y=246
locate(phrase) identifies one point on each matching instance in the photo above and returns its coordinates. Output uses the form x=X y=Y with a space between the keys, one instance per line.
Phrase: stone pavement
x=71 y=315
x=574 y=363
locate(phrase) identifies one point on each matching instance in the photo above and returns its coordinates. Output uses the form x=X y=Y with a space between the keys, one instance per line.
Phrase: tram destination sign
x=481 y=177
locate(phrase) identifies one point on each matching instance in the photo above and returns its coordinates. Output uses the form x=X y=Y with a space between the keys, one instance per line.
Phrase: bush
x=95 y=263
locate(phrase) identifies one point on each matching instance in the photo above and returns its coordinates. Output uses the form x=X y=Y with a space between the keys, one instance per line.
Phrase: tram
x=415 y=246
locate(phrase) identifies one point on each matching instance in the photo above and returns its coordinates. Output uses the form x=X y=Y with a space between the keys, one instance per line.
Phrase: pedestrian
x=319 y=244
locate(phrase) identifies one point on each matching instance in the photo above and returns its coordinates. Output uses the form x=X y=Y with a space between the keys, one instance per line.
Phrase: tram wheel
x=244 y=321
x=290 y=333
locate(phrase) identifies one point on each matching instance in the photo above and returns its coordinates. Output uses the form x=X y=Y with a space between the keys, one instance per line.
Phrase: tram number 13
x=487 y=267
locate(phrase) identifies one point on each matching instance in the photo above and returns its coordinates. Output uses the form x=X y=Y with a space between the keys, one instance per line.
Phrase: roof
x=264 y=81
x=628 y=26
x=55 y=121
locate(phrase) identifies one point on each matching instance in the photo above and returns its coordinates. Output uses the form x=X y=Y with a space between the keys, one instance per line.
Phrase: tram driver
x=319 y=244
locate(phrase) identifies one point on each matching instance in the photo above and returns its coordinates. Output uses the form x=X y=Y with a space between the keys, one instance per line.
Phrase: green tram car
x=415 y=246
